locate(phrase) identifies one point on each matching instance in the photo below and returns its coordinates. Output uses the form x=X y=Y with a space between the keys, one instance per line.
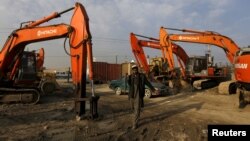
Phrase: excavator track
x=25 y=96
x=227 y=87
x=204 y=84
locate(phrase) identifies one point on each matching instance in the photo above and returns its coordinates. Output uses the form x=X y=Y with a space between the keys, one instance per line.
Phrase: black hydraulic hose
x=174 y=29
x=64 y=46
x=65 y=11
x=146 y=37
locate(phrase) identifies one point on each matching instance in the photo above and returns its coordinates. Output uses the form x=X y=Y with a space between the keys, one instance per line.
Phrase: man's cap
x=134 y=66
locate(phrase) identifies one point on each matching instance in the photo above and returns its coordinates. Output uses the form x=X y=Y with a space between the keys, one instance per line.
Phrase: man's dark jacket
x=142 y=82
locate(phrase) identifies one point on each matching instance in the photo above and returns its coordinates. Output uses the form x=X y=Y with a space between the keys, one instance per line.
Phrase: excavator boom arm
x=19 y=39
x=206 y=37
x=167 y=47
x=139 y=53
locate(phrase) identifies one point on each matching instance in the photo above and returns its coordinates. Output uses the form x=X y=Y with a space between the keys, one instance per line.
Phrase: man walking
x=137 y=82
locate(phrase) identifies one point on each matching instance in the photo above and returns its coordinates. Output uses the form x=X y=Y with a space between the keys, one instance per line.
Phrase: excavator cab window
x=27 y=70
x=200 y=64
x=189 y=66
x=245 y=53
x=196 y=65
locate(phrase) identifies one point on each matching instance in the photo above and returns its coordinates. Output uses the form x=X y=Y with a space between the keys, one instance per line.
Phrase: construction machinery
x=238 y=57
x=242 y=79
x=46 y=80
x=12 y=53
x=202 y=68
x=165 y=63
x=34 y=76
x=162 y=68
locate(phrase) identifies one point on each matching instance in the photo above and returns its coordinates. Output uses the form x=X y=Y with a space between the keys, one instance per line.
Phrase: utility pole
x=116 y=59
x=126 y=58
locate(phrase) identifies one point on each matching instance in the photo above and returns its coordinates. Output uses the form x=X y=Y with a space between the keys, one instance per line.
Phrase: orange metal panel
x=210 y=71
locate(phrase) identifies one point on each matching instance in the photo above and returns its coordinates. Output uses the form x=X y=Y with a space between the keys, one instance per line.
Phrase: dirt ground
x=180 y=117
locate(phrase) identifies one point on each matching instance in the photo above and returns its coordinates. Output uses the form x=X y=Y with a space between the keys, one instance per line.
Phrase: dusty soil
x=184 y=116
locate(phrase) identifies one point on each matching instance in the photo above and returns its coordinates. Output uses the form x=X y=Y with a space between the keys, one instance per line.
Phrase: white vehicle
x=63 y=74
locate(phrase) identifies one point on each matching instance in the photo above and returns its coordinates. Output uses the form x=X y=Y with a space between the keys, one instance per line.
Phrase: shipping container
x=104 y=72
x=114 y=71
x=100 y=72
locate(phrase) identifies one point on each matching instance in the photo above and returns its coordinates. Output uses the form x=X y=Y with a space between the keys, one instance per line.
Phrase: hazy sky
x=111 y=21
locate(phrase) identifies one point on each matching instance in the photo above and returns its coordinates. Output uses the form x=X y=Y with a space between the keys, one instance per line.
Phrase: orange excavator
x=136 y=46
x=202 y=68
x=242 y=77
x=12 y=66
x=238 y=57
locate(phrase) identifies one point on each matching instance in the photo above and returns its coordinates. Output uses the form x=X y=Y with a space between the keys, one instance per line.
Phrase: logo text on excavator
x=241 y=66
x=188 y=38
x=45 y=32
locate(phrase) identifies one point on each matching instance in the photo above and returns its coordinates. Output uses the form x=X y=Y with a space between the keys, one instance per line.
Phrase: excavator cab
x=196 y=65
x=27 y=71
